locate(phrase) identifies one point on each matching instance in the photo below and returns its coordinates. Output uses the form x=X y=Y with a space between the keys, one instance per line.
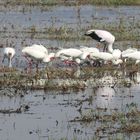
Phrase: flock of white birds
x=39 y=53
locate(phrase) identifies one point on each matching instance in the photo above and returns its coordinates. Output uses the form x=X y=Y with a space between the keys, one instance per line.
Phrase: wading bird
x=114 y=57
x=133 y=55
x=102 y=36
x=9 y=54
x=37 y=53
x=72 y=55
x=129 y=50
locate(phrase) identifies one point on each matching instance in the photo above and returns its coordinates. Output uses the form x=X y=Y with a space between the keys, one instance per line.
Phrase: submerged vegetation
x=112 y=122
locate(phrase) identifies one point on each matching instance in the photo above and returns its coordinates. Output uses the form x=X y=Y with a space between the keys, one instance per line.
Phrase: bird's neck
x=110 y=48
x=10 y=63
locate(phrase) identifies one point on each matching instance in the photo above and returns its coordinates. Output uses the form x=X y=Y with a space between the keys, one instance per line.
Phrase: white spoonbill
x=9 y=54
x=88 y=49
x=103 y=37
x=39 y=48
x=114 y=56
x=37 y=53
x=134 y=55
x=72 y=54
x=129 y=50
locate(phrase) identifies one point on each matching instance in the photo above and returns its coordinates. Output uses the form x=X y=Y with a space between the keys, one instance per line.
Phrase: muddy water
x=49 y=113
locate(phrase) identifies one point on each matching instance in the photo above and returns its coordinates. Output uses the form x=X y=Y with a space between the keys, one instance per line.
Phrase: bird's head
x=49 y=58
x=89 y=32
x=88 y=56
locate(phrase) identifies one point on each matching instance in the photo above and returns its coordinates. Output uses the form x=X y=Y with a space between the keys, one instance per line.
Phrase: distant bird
x=72 y=54
x=129 y=50
x=38 y=53
x=9 y=53
x=117 y=62
x=133 y=55
x=39 y=48
x=114 y=57
x=102 y=36
x=88 y=49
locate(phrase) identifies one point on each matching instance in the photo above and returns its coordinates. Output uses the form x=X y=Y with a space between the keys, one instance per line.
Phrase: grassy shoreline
x=74 y=2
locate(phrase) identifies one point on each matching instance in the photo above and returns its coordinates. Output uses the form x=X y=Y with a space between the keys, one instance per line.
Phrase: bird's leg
x=10 y=63
x=37 y=68
x=67 y=62
x=74 y=63
x=29 y=63
x=3 y=60
x=105 y=47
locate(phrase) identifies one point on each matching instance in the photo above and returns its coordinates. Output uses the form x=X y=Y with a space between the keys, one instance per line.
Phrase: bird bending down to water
x=114 y=57
x=102 y=36
x=9 y=53
x=133 y=55
x=38 y=53
x=72 y=54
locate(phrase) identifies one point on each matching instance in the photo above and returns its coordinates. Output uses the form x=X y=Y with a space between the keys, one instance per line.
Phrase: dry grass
x=74 y=2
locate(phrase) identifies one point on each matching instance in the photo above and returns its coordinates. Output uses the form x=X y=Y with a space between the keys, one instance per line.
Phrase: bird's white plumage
x=88 y=49
x=105 y=35
x=116 y=53
x=9 y=53
x=38 y=53
x=134 y=55
x=102 y=36
x=33 y=53
x=114 y=57
x=49 y=57
x=102 y=55
x=118 y=61
x=70 y=52
x=40 y=48
x=129 y=50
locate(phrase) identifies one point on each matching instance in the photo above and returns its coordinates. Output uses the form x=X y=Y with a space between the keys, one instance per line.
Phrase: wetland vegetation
x=74 y=2
x=63 y=102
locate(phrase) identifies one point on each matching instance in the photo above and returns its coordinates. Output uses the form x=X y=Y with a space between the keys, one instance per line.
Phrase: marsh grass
x=127 y=120
x=74 y=2
x=111 y=2
x=123 y=31
x=65 y=78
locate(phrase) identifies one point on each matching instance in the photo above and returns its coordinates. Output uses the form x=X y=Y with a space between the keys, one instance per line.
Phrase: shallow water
x=15 y=24
x=49 y=113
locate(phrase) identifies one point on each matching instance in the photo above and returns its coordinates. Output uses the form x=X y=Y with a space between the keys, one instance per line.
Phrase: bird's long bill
x=10 y=62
